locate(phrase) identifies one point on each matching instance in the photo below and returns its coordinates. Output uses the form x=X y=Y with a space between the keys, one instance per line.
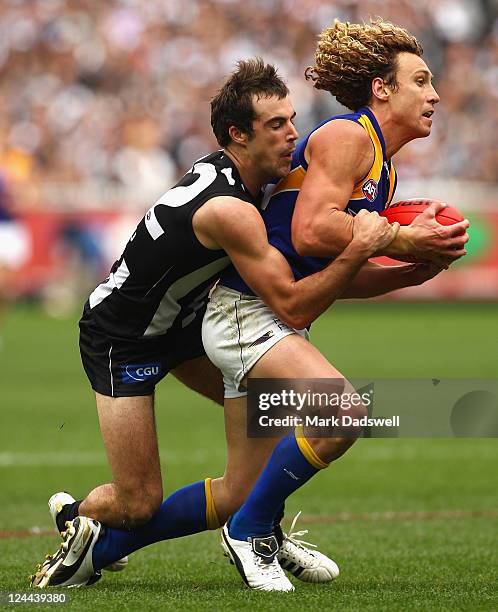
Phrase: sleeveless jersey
x=162 y=279
x=374 y=192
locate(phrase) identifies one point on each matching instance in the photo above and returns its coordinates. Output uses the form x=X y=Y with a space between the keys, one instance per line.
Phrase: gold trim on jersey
x=375 y=171
x=392 y=183
x=292 y=182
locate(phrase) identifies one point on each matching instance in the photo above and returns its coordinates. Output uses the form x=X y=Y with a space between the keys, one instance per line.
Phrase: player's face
x=274 y=135
x=412 y=103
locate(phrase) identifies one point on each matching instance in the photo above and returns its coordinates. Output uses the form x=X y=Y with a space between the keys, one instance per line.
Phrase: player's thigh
x=296 y=358
x=202 y=376
x=129 y=432
x=246 y=457
x=293 y=357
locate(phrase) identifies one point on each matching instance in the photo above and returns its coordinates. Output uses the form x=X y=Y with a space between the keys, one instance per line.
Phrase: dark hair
x=232 y=105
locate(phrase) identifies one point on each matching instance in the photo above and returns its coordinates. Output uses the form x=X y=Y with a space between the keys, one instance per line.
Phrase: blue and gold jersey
x=374 y=192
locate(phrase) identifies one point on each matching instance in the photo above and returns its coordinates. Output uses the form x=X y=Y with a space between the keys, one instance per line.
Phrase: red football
x=405 y=211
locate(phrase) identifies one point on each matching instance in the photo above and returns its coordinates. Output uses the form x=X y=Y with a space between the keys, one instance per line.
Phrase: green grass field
x=413 y=524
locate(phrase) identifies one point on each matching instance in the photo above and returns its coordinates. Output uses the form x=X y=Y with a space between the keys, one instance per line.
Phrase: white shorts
x=237 y=330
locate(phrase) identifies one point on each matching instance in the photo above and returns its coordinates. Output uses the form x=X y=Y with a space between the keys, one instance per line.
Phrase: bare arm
x=375 y=279
x=339 y=156
x=238 y=228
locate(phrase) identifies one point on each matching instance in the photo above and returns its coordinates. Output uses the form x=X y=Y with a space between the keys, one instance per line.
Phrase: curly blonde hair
x=350 y=55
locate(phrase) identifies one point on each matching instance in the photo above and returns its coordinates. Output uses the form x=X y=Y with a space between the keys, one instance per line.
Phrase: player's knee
x=355 y=414
x=139 y=514
x=331 y=448
x=140 y=507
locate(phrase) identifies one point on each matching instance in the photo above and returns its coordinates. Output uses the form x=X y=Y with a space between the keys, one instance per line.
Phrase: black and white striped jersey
x=162 y=279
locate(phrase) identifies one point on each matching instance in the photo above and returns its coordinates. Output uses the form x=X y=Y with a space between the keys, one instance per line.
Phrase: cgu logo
x=132 y=373
x=370 y=190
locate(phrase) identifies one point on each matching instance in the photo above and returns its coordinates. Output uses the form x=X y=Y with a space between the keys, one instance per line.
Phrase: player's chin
x=283 y=168
x=425 y=127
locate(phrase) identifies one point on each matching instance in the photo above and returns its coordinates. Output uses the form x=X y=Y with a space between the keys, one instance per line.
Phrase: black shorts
x=124 y=368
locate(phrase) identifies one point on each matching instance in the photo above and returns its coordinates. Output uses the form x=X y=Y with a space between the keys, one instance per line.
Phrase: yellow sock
x=307 y=450
x=212 y=520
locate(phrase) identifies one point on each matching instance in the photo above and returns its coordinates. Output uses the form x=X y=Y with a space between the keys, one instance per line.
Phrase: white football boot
x=256 y=561
x=71 y=565
x=307 y=565
x=55 y=504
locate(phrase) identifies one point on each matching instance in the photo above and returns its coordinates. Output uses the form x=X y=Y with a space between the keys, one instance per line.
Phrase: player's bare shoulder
x=341 y=142
x=339 y=129
x=227 y=203
x=225 y=217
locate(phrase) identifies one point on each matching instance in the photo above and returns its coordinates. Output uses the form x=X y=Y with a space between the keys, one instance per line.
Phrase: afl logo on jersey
x=370 y=190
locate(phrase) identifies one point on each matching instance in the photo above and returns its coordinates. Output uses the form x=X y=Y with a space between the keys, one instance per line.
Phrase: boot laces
x=294 y=538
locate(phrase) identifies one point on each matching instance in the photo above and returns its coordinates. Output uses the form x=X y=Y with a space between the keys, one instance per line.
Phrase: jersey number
x=178 y=196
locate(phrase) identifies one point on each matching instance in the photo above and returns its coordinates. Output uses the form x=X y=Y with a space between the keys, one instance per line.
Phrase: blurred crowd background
x=105 y=104
x=116 y=93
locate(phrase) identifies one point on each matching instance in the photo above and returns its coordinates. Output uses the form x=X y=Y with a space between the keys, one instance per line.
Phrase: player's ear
x=237 y=135
x=380 y=90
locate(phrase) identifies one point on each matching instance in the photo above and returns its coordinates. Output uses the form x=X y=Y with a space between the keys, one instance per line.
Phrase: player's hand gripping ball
x=405 y=211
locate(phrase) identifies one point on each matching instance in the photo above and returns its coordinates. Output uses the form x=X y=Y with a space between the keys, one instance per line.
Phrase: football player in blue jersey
x=145 y=320
x=340 y=170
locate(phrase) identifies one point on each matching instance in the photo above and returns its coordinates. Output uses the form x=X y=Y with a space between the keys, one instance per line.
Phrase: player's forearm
x=312 y=295
x=377 y=280
x=400 y=248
